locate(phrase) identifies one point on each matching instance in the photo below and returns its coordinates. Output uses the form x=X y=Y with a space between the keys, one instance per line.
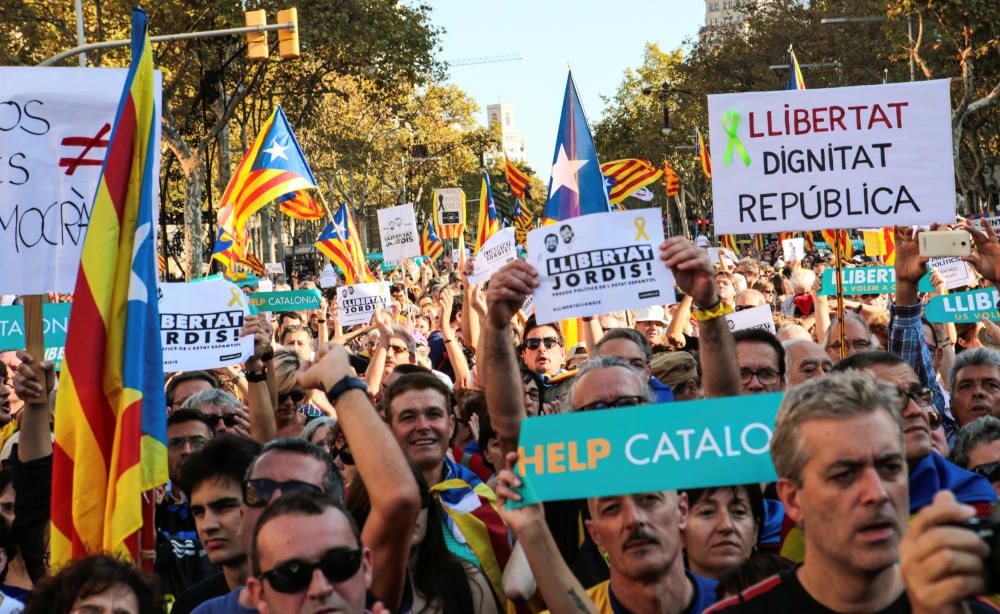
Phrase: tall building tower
x=503 y=114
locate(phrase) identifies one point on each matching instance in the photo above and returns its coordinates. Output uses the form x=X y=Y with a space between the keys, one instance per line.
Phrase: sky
x=599 y=40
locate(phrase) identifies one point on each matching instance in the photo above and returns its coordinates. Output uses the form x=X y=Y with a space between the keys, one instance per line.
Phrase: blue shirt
x=227 y=604
x=906 y=340
x=661 y=392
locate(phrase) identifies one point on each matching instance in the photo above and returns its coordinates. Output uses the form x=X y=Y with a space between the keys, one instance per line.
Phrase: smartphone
x=938 y=243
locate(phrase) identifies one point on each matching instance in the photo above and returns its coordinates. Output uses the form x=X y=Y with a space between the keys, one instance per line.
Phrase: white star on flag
x=276 y=150
x=564 y=172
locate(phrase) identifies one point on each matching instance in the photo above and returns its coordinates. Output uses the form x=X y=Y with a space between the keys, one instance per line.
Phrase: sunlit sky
x=599 y=40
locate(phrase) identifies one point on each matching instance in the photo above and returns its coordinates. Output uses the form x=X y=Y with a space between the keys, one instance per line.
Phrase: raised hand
x=692 y=270
x=986 y=257
x=509 y=287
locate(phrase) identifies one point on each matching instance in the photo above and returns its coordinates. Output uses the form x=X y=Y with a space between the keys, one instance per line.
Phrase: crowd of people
x=368 y=468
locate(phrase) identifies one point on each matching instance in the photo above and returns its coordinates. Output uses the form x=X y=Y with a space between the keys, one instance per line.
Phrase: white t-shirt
x=9 y=605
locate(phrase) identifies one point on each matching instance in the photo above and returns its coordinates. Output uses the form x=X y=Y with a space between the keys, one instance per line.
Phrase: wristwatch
x=347 y=383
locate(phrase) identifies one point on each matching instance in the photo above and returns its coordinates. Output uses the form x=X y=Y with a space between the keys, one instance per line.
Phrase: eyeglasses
x=297 y=396
x=229 y=420
x=859 y=345
x=626 y=401
x=177 y=443
x=533 y=344
x=257 y=493
x=924 y=397
x=344 y=453
x=767 y=377
x=990 y=471
x=398 y=349
x=337 y=565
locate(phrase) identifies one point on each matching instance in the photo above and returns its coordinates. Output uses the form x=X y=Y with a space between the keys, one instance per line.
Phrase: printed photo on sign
x=756 y=317
x=498 y=250
x=200 y=325
x=397 y=229
x=55 y=126
x=599 y=263
x=356 y=303
x=449 y=204
x=847 y=157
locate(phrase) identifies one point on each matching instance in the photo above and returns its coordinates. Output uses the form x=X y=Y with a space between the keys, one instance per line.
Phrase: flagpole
x=34 y=338
x=840 y=294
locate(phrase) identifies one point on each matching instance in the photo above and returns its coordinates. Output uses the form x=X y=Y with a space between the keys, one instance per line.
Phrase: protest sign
x=55 y=323
x=356 y=303
x=599 y=263
x=328 y=277
x=867 y=280
x=822 y=159
x=449 y=208
x=528 y=306
x=274 y=268
x=756 y=317
x=718 y=255
x=994 y=223
x=969 y=306
x=794 y=249
x=497 y=251
x=55 y=125
x=265 y=285
x=628 y=450
x=200 y=325
x=289 y=300
x=955 y=271
x=397 y=228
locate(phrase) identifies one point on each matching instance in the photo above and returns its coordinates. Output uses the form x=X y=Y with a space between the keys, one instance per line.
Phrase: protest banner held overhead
x=971 y=306
x=328 y=277
x=288 y=300
x=602 y=453
x=200 y=325
x=848 y=157
x=955 y=271
x=55 y=323
x=599 y=263
x=867 y=280
x=497 y=251
x=449 y=212
x=755 y=317
x=356 y=303
x=397 y=228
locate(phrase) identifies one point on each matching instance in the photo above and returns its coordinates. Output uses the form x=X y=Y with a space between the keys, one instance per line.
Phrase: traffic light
x=288 y=40
x=256 y=41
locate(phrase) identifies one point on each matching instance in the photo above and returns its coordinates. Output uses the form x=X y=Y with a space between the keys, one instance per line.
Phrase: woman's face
x=116 y=599
x=720 y=533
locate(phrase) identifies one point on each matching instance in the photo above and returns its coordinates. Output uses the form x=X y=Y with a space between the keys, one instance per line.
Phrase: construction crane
x=487 y=59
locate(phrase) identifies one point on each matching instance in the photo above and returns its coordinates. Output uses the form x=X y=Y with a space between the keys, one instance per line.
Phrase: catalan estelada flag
x=629 y=176
x=832 y=236
x=430 y=245
x=110 y=425
x=488 y=224
x=253 y=263
x=274 y=166
x=701 y=150
x=340 y=243
x=810 y=242
x=758 y=242
x=670 y=179
x=524 y=220
x=729 y=242
x=795 y=80
x=301 y=206
x=225 y=250
x=517 y=180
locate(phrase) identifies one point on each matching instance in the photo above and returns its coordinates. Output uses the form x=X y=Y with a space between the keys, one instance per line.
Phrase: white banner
x=55 y=124
x=275 y=268
x=955 y=271
x=356 y=303
x=794 y=248
x=397 y=228
x=498 y=250
x=599 y=263
x=328 y=277
x=755 y=317
x=200 y=325
x=848 y=157
x=449 y=207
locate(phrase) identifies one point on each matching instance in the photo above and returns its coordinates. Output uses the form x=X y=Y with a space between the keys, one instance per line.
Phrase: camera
x=988 y=529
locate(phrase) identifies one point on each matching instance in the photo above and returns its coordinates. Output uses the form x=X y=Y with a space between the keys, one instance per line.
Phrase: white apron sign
x=848 y=157
x=200 y=325
x=397 y=228
x=756 y=317
x=356 y=303
x=55 y=124
x=599 y=263
x=497 y=251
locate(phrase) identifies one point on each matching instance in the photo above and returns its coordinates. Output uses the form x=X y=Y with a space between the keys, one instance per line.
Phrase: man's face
x=977 y=393
x=422 y=425
x=750 y=298
x=11 y=362
x=532 y=397
x=983 y=454
x=280 y=466
x=852 y=501
x=806 y=361
x=855 y=337
x=544 y=360
x=300 y=342
x=188 y=388
x=607 y=386
x=758 y=363
x=294 y=538
x=182 y=440
x=628 y=351
x=289 y=321
x=551 y=243
x=641 y=534
x=915 y=418
x=566 y=233
x=221 y=428
x=651 y=330
x=397 y=354
x=726 y=289
x=217 y=509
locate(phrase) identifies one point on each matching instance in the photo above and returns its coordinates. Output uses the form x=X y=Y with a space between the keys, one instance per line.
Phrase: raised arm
x=452 y=346
x=36 y=437
x=259 y=401
x=376 y=368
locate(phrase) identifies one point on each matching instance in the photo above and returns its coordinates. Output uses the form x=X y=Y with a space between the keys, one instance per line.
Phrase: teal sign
x=209 y=278
x=868 y=280
x=628 y=450
x=969 y=306
x=292 y=300
x=55 y=323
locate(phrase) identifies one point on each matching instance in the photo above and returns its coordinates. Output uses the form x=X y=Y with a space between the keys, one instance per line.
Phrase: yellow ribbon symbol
x=236 y=297
x=640 y=227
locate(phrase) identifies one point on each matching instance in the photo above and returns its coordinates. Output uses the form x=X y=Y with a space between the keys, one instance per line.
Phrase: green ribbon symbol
x=731 y=125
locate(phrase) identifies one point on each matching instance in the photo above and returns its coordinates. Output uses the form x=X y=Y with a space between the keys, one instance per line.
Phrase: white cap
x=651 y=314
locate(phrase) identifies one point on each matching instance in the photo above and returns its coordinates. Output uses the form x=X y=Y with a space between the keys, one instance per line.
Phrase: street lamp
x=663 y=94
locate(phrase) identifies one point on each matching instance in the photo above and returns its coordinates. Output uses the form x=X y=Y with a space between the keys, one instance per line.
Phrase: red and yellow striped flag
x=832 y=236
x=253 y=263
x=671 y=180
x=810 y=242
x=701 y=151
x=517 y=180
x=301 y=206
x=729 y=242
x=110 y=428
x=758 y=242
x=628 y=175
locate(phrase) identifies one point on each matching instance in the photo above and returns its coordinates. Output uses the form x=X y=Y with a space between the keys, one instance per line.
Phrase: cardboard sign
x=628 y=450
x=55 y=124
x=599 y=263
x=449 y=207
x=955 y=271
x=846 y=157
x=356 y=303
x=55 y=324
x=328 y=277
x=289 y=300
x=200 y=325
x=867 y=280
x=794 y=249
x=498 y=250
x=755 y=317
x=397 y=228
x=971 y=306
x=275 y=268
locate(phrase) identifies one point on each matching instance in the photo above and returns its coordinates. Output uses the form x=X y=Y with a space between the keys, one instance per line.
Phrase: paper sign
x=994 y=222
x=528 y=306
x=356 y=303
x=328 y=277
x=54 y=129
x=55 y=323
x=200 y=325
x=847 y=157
x=450 y=207
x=969 y=306
x=868 y=280
x=755 y=317
x=599 y=263
x=955 y=271
x=794 y=248
x=398 y=229
x=275 y=268
x=628 y=450
x=726 y=254
x=498 y=250
x=265 y=285
x=289 y=300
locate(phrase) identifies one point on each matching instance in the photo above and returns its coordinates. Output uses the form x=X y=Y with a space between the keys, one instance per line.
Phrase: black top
x=209 y=588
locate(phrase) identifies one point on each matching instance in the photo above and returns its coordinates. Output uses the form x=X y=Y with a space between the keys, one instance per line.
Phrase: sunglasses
x=214 y=420
x=990 y=471
x=398 y=349
x=257 y=493
x=337 y=565
x=533 y=344
x=297 y=396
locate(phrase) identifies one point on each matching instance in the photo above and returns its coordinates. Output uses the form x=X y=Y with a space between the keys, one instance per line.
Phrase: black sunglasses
x=990 y=471
x=214 y=420
x=337 y=565
x=533 y=344
x=297 y=396
x=257 y=493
